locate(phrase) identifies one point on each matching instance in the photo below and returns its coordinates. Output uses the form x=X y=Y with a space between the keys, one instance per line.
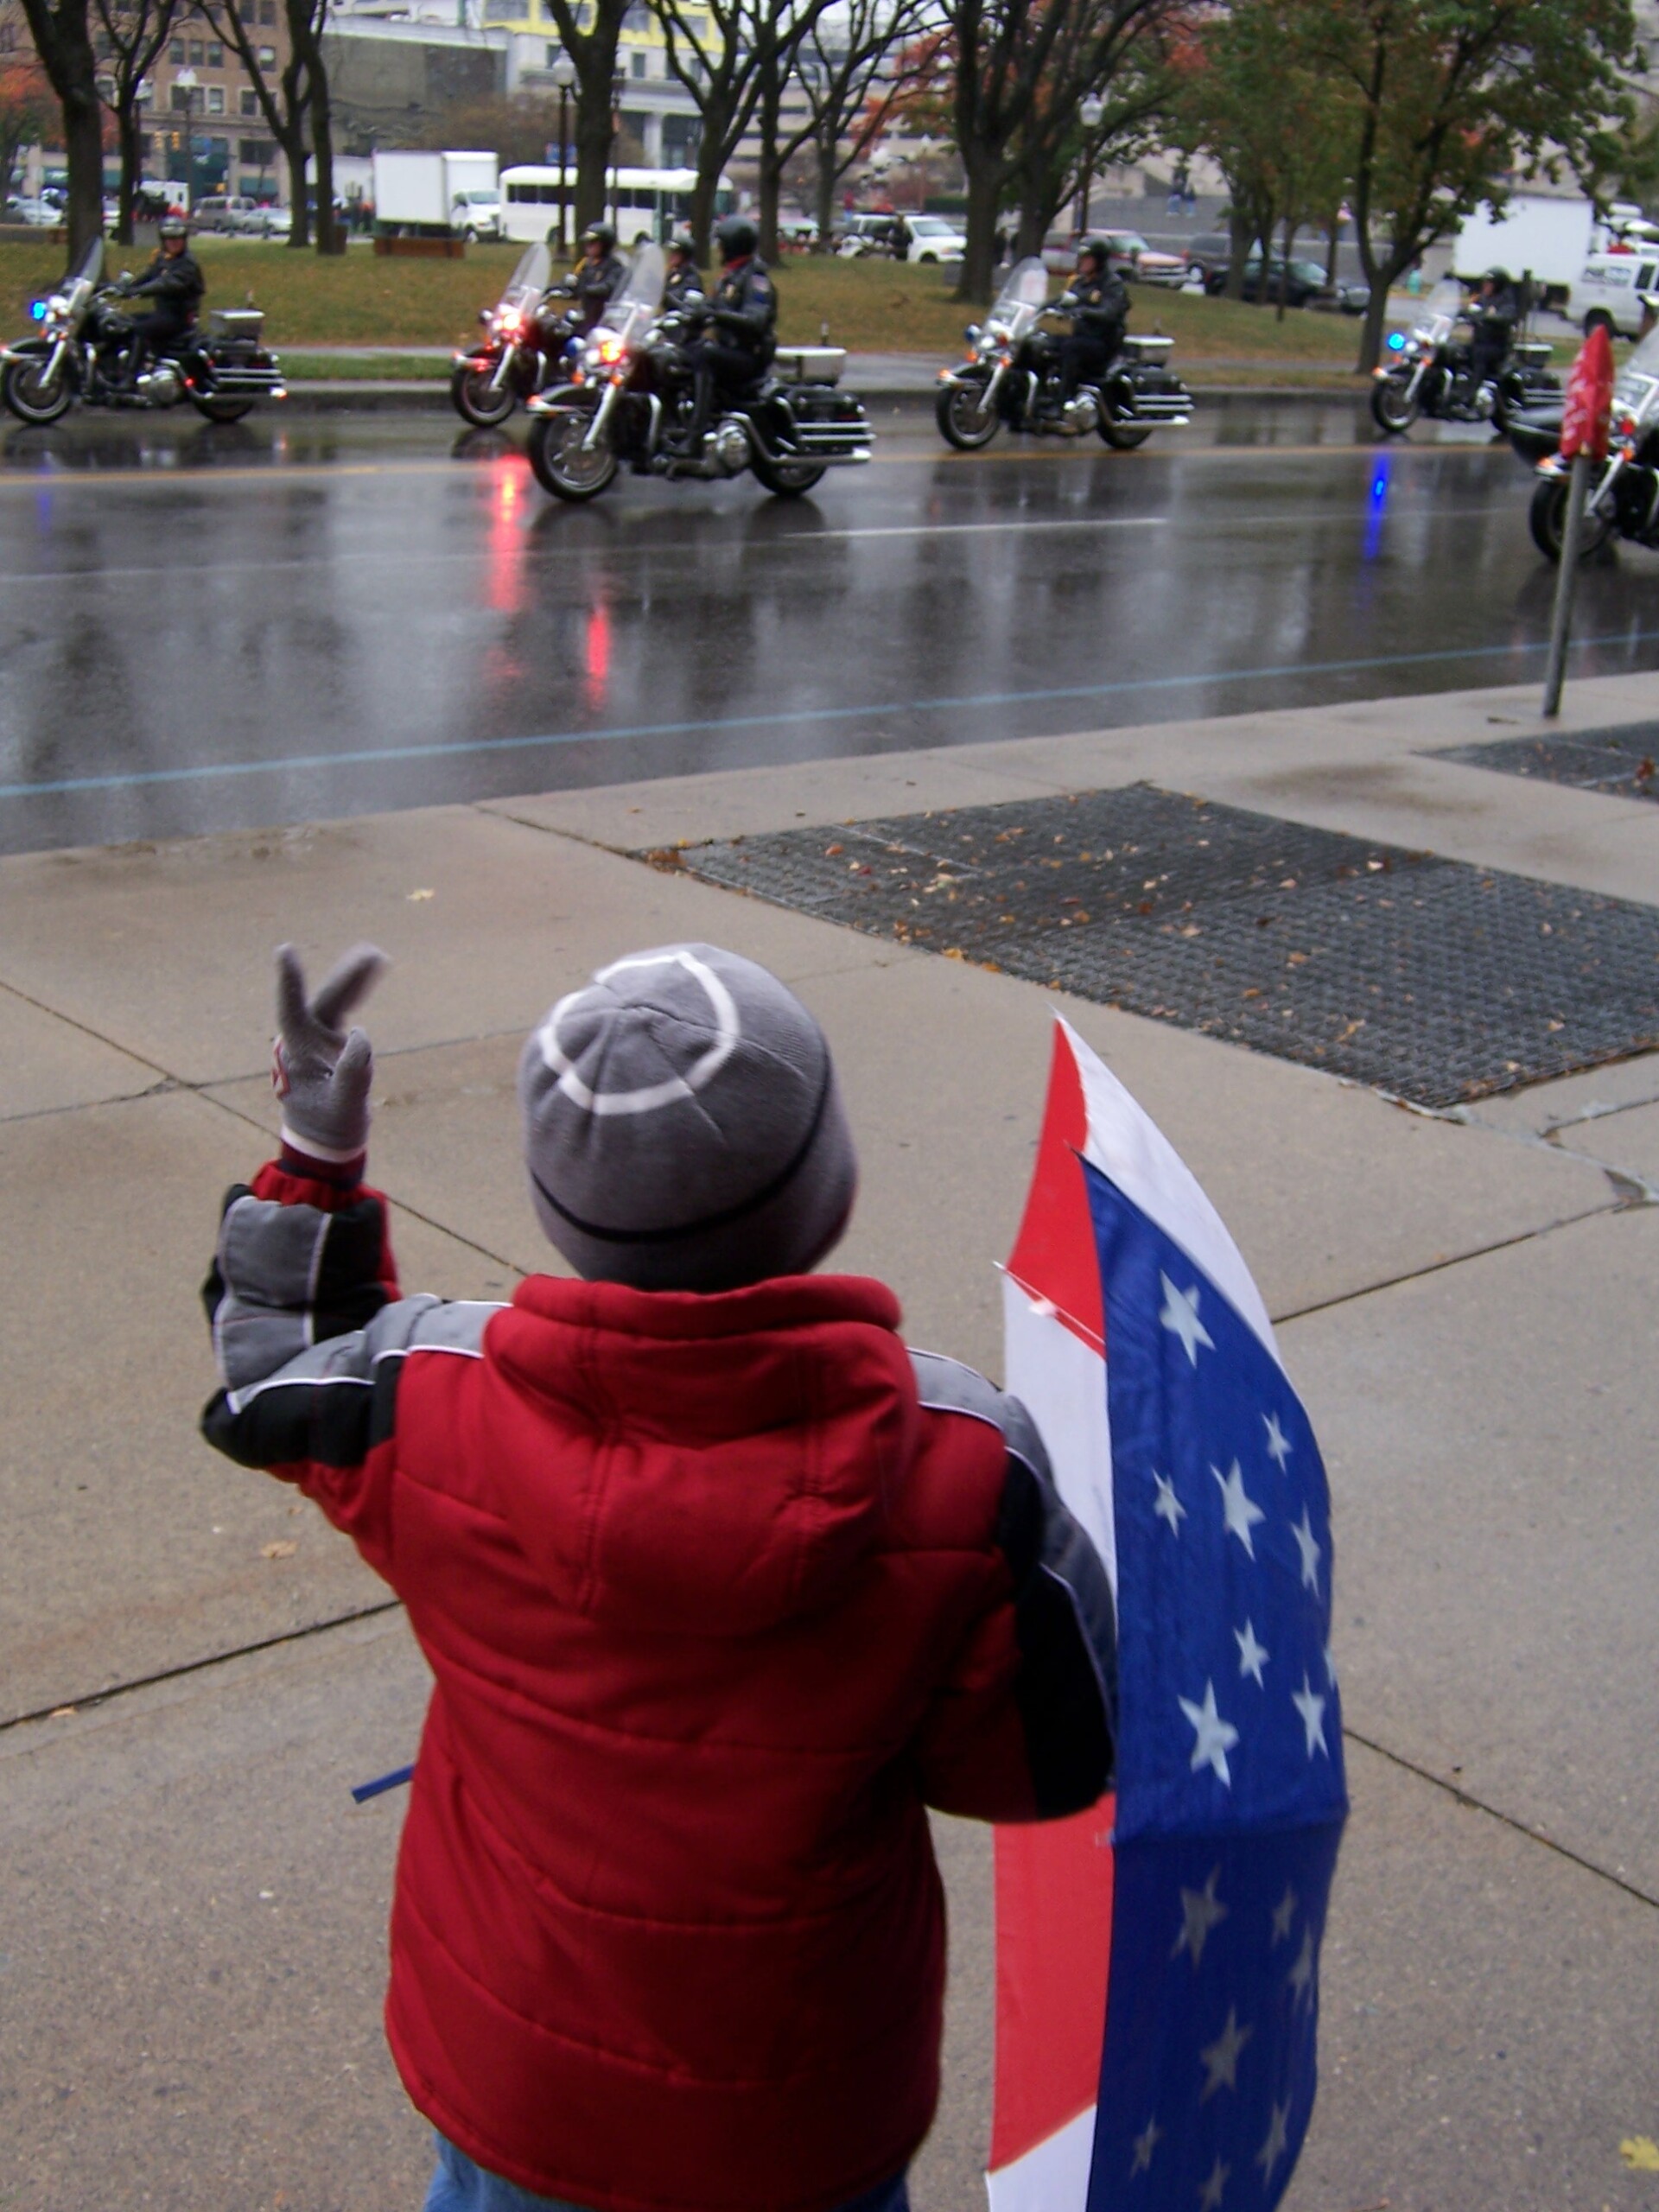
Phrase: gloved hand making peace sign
x=320 y=1071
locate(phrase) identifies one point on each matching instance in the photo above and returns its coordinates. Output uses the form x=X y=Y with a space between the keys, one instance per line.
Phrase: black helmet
x=172 y=226
x=1100 y=252
x=603 y=233
x=1498 y=276
x=684 y=242
x=735 y=237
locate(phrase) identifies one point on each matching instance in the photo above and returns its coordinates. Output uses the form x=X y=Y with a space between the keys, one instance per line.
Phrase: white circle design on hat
x=729 y=1034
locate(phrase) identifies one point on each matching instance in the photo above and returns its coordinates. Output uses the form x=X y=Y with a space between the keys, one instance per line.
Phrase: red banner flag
x=1589 y=408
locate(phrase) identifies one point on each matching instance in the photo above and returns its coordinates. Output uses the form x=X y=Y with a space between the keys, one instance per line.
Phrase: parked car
x=861 y=235
x=38 y=214
x=1210 y=251
x=218 y=212
x=258 y=219
x=1129 y=255
x=935 y=238
x=1304 y=284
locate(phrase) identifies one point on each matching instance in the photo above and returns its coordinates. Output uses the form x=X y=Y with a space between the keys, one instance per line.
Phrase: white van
x=1609 y=290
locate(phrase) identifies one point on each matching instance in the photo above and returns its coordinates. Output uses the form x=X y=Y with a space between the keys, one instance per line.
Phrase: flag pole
x=1566 y=582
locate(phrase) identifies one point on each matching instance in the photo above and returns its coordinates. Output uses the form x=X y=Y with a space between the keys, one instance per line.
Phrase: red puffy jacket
x=719 y=1593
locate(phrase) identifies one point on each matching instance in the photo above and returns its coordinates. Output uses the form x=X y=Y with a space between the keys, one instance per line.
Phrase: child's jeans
x=458 y=2185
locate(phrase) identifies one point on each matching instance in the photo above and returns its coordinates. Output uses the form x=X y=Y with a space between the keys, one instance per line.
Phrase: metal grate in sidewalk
x=1623 y=761
x=1427 y=978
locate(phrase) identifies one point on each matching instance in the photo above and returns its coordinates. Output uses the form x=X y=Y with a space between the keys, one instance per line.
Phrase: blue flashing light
x=37 y=310
x=1396 y=341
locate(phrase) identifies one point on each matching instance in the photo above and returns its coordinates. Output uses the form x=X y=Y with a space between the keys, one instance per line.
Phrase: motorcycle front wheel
x=221 y=411
x=965 y=420
x=33 y=396
x=1547 y=518
x=469 y=388
x=560 y=464
x=1392 y=411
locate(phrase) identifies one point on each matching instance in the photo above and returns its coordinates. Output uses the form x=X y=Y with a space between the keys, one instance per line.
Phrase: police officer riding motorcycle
x=1098 y=305
x=1490 y=379
x=87 y=347
x=1097 y=377
x=682 y=286
x=174 y=281
x=737 y=345
x=600 y=275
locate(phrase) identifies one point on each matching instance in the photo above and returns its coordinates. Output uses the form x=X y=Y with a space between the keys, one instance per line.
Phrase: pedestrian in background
x=720 y=1588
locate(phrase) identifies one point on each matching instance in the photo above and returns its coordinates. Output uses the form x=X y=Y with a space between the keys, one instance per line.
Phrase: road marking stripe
x=461 y=747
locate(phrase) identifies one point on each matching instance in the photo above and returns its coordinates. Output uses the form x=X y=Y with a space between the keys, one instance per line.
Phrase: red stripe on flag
x=1053 y=1951
x=1054 y=1255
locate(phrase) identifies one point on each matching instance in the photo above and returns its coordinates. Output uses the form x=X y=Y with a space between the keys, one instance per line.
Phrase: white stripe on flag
x=1127 y=1145
x=1056 y=2173
x=1061 y=1383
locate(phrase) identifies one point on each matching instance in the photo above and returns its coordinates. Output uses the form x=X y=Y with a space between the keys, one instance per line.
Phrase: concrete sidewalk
x=195 y=1669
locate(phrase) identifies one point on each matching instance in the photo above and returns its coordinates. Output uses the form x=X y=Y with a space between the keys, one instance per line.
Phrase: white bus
x=641 y=203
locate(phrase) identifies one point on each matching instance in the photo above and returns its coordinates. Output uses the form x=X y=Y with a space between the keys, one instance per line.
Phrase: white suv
x=935 y=238
x=1611 y=290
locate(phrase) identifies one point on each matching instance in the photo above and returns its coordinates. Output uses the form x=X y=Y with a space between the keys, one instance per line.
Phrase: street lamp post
x=1091 y=109
x=187 y=82
x=564 y=75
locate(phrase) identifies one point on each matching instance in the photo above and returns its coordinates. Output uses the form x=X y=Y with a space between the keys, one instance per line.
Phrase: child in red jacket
x=720 y=1588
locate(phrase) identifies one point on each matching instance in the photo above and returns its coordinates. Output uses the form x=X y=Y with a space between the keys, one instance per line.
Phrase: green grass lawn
x=870 y=306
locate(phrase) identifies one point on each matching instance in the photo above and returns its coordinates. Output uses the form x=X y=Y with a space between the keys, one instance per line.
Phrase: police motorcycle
x=526 y=336
x=1012 y=376
x=630 y=397
x=1622 y=500
x=1427 y=372
x=84 y=350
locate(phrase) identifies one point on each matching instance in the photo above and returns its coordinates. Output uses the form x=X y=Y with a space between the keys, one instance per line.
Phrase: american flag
x=1158 y=1957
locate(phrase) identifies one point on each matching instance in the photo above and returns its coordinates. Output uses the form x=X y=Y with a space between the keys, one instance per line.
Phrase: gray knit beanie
x=683 y=1127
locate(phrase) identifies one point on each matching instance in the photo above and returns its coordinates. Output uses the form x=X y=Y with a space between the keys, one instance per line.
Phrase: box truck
x=437 y=196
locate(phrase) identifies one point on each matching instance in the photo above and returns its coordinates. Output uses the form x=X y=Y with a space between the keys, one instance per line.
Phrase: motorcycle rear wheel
x=786 y=480
x=560 y=464
x=25 y=391
x=965 y=421
x=1391 y=410
x=475 y=403
x=1123 y=437
x=222 y=411
x=1547 y=519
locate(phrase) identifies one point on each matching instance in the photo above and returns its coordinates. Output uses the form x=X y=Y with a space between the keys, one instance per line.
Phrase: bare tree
x=1005 y=58
x=63 y=40
x=131 y=36
x=855 y=68
x=730 y=54
x=284 y=95
x=593 y=51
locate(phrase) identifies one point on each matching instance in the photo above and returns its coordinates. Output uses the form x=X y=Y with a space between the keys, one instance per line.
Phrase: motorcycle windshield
x=641 y=289
x=1026 y=287
x=89 y=269
x=529 y=279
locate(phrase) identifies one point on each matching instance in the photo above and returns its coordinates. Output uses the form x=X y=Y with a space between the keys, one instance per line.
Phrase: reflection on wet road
x=202 y=629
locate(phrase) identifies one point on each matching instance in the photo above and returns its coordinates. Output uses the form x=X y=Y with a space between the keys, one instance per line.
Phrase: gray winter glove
x=321 y=1073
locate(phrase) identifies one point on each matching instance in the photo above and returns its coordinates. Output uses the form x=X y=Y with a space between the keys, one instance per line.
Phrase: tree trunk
x=984 y=192
x=1239 y=227
x=711 y=152
x=83 y=142
x=825 y=144
x=596 y=66
x=331 y=236
x=1333 y=235
x=1380 y=275
x=1287 y=231
x=131 y=140
x=769 y=167
x=294 y=150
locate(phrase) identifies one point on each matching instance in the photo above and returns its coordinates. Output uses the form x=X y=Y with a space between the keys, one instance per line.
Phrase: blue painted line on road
x=363 y=1791
x=462 y=748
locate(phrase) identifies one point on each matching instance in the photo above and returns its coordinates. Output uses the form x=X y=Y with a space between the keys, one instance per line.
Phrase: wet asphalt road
x=205 y=628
